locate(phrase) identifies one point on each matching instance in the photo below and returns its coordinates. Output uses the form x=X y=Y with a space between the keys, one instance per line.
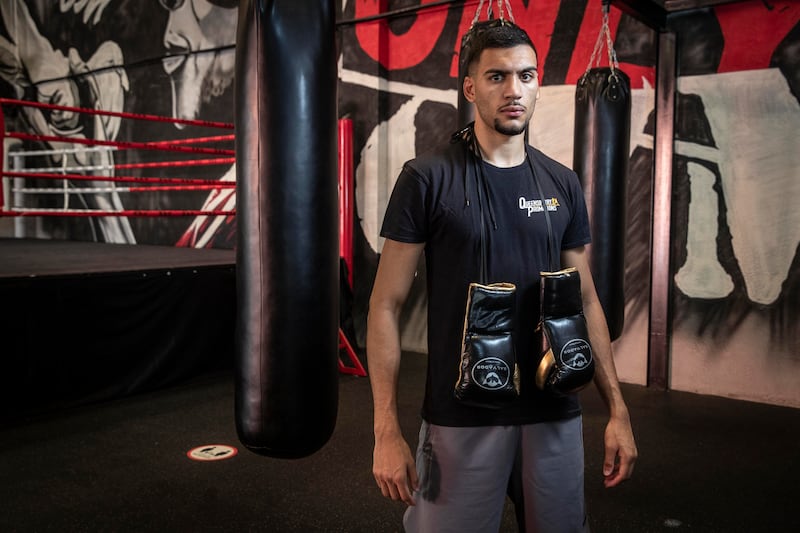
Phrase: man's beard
x=510 y=129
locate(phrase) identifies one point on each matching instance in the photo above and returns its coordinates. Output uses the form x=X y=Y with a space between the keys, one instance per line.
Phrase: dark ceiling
x=655 y=13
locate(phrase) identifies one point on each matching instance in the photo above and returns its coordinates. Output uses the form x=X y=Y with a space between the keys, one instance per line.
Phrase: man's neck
x=498 y=149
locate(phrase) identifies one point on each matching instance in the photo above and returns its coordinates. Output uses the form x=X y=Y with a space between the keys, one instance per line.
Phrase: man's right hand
x=392 y=463
x=394 y=468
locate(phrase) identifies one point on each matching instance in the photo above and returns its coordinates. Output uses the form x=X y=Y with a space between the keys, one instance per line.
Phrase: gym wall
x=735 y=227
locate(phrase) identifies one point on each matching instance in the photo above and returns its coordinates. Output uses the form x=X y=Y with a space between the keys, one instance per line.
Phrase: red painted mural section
x=538 y=19
x=751 y=40
x=397 y=52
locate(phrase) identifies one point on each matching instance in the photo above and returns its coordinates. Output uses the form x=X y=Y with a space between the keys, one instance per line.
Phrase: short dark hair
x=494 y=33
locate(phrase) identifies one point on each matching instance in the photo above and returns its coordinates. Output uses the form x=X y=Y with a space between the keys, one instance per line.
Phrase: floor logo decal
x=212 y=452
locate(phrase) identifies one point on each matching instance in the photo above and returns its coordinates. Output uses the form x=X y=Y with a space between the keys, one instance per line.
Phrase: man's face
x=197 y=76
x=504 y=86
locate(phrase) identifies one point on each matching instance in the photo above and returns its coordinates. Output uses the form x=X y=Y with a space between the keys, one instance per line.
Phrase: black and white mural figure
x=200 y=59
x=199 y=56
x=736 y=226
x=36 y=70
x=736 y=164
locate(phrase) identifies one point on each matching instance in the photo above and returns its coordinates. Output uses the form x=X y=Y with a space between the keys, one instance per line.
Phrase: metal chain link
x=604 y=38
x=502 y=5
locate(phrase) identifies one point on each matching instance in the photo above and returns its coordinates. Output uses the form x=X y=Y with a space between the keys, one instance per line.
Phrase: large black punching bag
x=600 y=157
x=287 y=256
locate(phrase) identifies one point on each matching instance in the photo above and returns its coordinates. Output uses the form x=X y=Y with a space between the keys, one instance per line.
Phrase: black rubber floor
x=707 y=465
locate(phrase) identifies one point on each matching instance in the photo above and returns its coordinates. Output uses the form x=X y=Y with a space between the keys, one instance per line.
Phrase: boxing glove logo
x=491 y=373
x=576 y=354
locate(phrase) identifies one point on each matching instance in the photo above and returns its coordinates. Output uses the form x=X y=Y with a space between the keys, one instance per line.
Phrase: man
x=468 y=457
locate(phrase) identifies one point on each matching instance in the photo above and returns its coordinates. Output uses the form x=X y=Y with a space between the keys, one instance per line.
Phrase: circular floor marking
x=212 y=452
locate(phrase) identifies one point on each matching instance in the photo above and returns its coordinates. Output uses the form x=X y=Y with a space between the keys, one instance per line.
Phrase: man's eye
x=528 y=76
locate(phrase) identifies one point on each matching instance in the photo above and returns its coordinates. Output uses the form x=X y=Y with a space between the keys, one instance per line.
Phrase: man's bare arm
x=620 y=446
x=393 y=463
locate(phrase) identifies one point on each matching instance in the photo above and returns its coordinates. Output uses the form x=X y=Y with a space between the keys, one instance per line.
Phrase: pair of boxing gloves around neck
x=489 y=372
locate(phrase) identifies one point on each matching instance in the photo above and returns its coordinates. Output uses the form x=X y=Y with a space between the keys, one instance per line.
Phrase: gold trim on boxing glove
x=500 y=286
x=545 y=367
x=562 y=272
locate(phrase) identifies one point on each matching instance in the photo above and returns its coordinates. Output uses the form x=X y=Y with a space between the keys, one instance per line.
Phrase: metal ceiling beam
x=673 y=6
x=649 y=13
x=655 y=13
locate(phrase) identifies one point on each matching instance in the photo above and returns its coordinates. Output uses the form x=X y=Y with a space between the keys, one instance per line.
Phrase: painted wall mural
x=404 y=104
x=77 y=76
x=735 y=267
x=735 y=230
x=173 y=59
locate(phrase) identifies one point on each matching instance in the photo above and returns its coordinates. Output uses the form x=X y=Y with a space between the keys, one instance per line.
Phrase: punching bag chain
x=501 y=6
x=604 y=37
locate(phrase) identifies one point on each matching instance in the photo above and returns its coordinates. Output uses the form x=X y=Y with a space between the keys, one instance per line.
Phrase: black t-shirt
x=436 y=200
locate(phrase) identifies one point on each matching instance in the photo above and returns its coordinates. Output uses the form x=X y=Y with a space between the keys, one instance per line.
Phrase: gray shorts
x=466 y=472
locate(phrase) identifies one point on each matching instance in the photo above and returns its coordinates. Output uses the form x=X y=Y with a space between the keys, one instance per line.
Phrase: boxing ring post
x=346 y=194
x=345 y=130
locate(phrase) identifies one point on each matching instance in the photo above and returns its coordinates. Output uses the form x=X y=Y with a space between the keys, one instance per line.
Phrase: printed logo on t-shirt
x=535 y=206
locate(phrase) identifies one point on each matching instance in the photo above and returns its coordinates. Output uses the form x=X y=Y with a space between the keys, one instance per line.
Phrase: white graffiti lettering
x=533 y=206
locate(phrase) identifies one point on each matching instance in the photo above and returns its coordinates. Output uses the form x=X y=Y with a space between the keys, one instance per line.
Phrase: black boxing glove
x=567 y=364
x=488 y=372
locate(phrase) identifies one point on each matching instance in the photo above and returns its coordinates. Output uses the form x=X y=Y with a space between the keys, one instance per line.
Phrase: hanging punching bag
x=286 y=378
x=601 y=151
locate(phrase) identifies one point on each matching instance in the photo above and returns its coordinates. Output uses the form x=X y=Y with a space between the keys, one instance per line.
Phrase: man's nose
x=513 y=88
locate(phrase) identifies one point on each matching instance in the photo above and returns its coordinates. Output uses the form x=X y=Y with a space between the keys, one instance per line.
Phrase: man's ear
x=469 y=89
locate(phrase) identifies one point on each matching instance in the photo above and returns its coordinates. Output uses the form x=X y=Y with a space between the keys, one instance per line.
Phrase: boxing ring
x=85 y=167
x=87 y=321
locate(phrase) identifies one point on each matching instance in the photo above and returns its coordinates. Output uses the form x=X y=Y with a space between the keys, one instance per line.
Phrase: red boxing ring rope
x=81 y=177
x=161 y=164
x=41 y=211
x=118 y=144
x=118 y=114
x=67 y=174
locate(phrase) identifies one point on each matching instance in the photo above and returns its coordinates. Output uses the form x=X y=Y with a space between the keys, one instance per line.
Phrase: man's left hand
x=621 y=452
